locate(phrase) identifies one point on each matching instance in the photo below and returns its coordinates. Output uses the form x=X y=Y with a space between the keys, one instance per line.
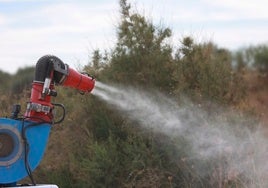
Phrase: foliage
x=205 y=72
x=141 y=48
x=254 y=56
x=261 y=58
x=22 y=80
x=97 y=64
x=96 y=146
x=61 y=177
x=143 y=57
x=5 y=81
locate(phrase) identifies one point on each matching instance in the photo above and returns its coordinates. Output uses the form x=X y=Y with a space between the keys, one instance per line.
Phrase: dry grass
x=258 y=94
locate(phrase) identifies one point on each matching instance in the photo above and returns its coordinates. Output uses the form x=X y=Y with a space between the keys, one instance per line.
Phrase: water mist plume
x=239 y=150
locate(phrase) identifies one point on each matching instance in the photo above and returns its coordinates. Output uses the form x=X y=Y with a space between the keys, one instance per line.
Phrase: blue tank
x=22 y=146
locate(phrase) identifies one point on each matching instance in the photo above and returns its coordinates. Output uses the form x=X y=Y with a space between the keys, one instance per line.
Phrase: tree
x=22 y=80
x=96 y=59
x=204 y=71
x=253 y=57
x=261 y=58
x=142 y=56
x=4 y=80
x=240 y=61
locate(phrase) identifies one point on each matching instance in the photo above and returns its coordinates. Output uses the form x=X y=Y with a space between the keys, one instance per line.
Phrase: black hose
x=26 y=145
x=43 y=68
x=63 y=111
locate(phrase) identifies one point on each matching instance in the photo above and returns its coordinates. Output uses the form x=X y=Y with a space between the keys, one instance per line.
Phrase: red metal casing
x=36 y=98
x=74 y=79
x=82 y=82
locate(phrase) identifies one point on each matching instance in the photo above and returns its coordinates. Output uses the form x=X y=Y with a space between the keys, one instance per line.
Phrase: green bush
x=205 y=72
x=22 y=80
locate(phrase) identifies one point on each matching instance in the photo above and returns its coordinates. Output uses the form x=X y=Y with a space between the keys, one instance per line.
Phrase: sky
x=72 y=29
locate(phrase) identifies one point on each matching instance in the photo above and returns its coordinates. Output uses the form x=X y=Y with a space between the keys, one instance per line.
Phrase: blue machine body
x=16 y=154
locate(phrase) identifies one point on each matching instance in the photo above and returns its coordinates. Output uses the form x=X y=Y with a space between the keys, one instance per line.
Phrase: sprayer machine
x=23 y=139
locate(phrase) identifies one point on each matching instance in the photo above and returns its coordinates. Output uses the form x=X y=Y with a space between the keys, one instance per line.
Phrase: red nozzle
x=80 y=81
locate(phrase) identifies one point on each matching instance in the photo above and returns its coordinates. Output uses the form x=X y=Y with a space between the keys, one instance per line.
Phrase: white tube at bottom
x=37 y=186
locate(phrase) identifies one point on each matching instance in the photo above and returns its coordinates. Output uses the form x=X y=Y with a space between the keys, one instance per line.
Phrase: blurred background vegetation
x=96 y=147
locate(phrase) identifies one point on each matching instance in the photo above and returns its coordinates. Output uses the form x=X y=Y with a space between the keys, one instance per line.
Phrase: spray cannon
x=23 y=139
x=51 y=71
